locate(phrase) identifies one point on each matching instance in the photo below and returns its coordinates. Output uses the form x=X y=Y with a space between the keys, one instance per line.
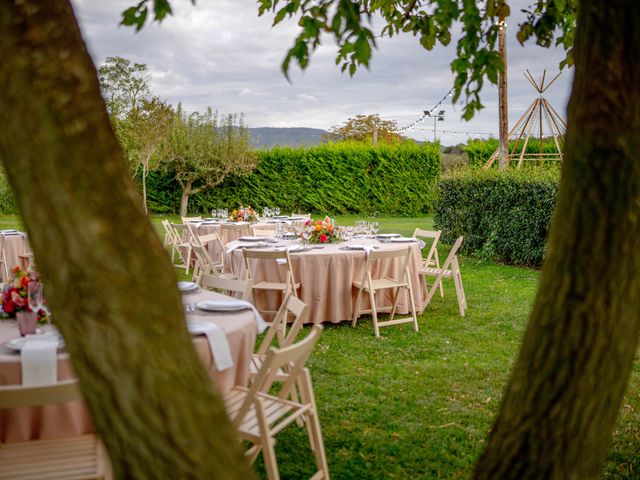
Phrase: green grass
x=419 y=405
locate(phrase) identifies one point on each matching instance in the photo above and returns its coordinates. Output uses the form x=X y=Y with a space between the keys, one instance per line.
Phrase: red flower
x=9 y=306
x=323 y=238
x=24 y=281
x=16 y=269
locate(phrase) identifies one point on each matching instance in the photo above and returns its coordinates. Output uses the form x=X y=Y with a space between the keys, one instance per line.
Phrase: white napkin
x=39 y=359
x=366 y=248
x=217 y=342
x=229 y=305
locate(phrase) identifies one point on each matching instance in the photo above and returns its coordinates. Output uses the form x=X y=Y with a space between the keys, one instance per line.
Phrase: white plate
x=252 y=239
x=226 y=306
x=388 y=235
x=402 y=240
x=17 y=343
x=187 y=286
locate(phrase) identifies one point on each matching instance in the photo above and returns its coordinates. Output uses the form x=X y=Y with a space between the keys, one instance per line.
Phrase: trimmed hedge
x=479 y=151
x=333 y=178
x=7 y=202
x=503 y=216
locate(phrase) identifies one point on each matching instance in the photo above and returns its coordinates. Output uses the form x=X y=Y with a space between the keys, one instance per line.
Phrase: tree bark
x=110 y=284
x=562 y=400
x=184 y=199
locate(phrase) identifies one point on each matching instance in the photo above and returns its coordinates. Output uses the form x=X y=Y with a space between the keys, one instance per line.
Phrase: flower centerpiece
x=320 y=231
x=15 y=296
x=243 y=214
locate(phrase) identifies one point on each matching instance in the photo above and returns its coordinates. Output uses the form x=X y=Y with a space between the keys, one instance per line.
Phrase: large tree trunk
x=145 y=173
x=109 y=282
x=567 y=385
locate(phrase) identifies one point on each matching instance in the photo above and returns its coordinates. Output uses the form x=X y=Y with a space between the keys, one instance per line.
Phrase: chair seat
x=273 y=286
x=279 y=413
x=381 y=284
x=434 y=272
x=71 y=458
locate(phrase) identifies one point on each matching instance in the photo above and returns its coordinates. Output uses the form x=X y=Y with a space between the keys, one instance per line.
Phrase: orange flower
x=318 y=227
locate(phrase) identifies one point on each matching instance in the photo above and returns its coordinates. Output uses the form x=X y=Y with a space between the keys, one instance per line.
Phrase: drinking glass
x=266 y=212
x=375 y=227
x=306 y=235
x=277 y=211
x=35 y=294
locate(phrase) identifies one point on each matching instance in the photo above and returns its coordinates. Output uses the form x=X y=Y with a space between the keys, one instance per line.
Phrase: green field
x=419 y=405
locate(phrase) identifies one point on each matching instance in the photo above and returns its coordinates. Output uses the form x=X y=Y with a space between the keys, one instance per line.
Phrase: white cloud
x=221 y=54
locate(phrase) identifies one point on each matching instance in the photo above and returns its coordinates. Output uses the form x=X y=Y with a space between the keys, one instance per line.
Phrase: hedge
x=479 y=151
x=504 y=216
x=7 y=202
x=333 y=178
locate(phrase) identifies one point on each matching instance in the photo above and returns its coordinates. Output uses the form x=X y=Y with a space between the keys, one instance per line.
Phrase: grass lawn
x=419 y=405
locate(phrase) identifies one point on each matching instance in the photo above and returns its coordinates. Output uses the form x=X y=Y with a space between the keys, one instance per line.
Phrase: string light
x=427 y=113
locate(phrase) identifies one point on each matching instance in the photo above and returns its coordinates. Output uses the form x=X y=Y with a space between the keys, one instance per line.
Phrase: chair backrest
x=433 y=250
x=194 y=238
x=278 y=329
x=12 y=396
x=213 y=237
x=222 y=284
x=386 y=254
x=293 y=356
x=190 y=219
x=274 y=255
x=232 y=231
x=168 y=232
x=453 y=253
x=269 y=231
x=207 y=265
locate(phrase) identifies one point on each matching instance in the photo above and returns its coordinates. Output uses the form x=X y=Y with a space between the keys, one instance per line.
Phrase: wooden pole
x=503 y=108
x=374 y=140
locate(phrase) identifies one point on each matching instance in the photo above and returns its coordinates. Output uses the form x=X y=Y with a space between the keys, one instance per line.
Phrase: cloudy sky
x=219 y=53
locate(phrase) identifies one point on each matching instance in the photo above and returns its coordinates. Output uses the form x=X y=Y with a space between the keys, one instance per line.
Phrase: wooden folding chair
x=446 y=272
x=213 y=239
x=277 y=334
x=432 y=259
x=371 y=285
x=251 y=257
x=3 y=261
x=78 y=457
x=204 y=263
x=225 y=285
x=191 y=219
x=181 y=245
x=232 y=231
x=259 y=416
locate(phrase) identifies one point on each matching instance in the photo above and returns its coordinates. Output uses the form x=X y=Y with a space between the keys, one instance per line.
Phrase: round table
x=70 y=419
x=15 y=248
x=326 y=275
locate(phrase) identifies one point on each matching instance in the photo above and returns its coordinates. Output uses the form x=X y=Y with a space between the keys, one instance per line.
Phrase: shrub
x=336 y=178
x=503 y=215
x=7 y=202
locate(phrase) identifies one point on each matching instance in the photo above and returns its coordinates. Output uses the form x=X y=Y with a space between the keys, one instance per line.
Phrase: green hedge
x=479 y=151
x=504 y=216
x=333 y=178
x=7 y=202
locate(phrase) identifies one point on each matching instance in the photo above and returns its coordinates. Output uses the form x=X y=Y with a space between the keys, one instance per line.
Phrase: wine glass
x=266 y=212
x=277 y=211
x=35 y=294
x=375 y=227
x=306 y=235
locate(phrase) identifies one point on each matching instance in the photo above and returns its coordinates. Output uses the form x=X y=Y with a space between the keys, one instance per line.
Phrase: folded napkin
x=39 y=359
x=217 y=342
x=366 y=248
x=230 y=305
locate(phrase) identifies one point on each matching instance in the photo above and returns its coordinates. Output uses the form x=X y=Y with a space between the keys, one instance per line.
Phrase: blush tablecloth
x=14 y=247
x=326 y=276
x=69 y=419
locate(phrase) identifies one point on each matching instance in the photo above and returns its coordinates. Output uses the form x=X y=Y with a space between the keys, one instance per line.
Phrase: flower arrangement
x=15 y=296
x=243 y=214
x=320 y=231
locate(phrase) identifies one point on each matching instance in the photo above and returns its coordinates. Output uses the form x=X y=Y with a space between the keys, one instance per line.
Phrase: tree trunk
x=184 y=200
x=561 y=403
x=145 y=172
x=110 y=284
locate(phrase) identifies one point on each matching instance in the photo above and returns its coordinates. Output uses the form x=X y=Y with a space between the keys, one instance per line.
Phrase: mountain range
x=267 y=137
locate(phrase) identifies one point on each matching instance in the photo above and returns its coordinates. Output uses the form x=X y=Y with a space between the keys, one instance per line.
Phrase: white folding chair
x=4 y=268
x=446 y=272
x=213 y=239
x=225 y=285
x=204 y=263
x=259 y=416
x=232 y=231
x=78 y=457
x=372 y=285
x=182 y=246
x=190 y=219
x=432 y=259
x=251 y=259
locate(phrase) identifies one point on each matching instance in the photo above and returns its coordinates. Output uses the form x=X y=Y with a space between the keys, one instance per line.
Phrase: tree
x=202 y=149
x=109 y=280
x=123 y=84
x=361 y=128
x=141 y=133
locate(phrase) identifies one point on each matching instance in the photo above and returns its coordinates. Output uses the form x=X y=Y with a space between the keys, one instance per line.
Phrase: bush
x=502 y=215
x=7 y=202
x=334 y=178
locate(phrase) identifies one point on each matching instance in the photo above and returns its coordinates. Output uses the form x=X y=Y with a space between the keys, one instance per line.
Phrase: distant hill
x=267 y=137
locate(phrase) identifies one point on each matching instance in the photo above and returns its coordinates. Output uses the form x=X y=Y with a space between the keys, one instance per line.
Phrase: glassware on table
x=375 y=227
x=35 y=296
x=306 y=235
x=348 y=233
x=277 y=211
x=266 y=212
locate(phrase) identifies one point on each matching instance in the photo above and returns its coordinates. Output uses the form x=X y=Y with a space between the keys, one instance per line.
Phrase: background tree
x=141 y=133
x=361 y=129
x=123 y=85
x=202 y=149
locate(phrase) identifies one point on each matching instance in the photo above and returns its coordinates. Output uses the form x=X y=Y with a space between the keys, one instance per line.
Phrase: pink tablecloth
x=326 y=277
x=14 y=247
x=21 y=424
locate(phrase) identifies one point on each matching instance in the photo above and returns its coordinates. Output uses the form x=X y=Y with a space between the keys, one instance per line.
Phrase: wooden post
x=503 y=108
x=374 y=139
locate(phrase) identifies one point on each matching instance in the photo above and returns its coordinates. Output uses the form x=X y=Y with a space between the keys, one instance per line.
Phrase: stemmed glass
x=277 y=211
x=375 y=227
x=35 y=294
x=306 y=235
x=266 y=212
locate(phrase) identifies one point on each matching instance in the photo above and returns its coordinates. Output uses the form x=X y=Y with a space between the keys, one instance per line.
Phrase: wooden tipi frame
x=531 y=125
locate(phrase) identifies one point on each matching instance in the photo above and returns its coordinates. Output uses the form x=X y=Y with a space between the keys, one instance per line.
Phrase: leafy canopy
x=431 y=21
x=361 y=127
